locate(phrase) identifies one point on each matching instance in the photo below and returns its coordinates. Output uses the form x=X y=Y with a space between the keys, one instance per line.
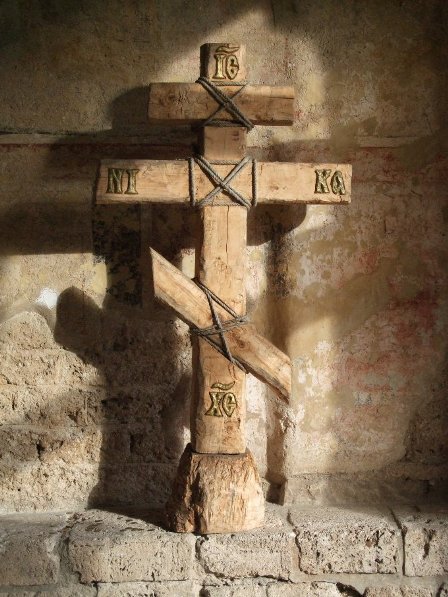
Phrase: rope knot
x=218 y=327
x=225 y=103
x=222 y=184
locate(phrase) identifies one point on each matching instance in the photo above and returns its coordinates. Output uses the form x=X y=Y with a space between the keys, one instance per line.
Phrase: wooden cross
x=217 y=488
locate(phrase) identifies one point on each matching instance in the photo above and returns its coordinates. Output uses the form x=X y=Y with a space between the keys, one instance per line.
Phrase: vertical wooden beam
x=219 y=405
x=218 y=488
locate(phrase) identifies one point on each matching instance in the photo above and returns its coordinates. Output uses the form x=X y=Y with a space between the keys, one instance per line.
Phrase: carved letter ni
x=115 y=181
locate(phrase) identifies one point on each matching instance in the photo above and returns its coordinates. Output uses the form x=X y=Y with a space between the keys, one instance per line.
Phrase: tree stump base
x=215 y=493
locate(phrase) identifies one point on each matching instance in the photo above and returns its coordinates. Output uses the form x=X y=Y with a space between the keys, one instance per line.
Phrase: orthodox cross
x=218 y=488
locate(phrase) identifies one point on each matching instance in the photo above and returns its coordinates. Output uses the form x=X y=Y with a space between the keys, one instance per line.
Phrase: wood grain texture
x=223 y=143
x=262 y=359
x=217 y=416
x=215 y=493
x=166 y=181
x=189 y=103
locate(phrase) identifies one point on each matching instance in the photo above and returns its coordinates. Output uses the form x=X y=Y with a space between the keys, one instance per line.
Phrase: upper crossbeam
x=190 y=103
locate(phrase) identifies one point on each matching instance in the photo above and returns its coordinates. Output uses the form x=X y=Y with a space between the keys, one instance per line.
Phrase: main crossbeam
x=167 y=181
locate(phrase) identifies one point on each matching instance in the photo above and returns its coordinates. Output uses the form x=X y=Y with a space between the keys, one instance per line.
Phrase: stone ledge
x=30 y=548
x=320 y=552
x=425 y=536
x=106 y=547
x=351 y=541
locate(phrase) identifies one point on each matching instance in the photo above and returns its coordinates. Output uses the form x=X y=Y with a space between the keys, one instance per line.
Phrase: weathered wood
x=223 y=143
x=218 y=410
x=215 y=493
x=190 y=103
x=165 y=181
x=223 y=62
x=262 y=359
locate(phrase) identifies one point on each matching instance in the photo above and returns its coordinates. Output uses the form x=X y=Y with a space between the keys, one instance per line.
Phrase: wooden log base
x=215 y=493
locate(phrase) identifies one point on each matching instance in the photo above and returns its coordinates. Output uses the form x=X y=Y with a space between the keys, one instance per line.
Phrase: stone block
x=235 y=590
x=425 y=540
x=46 y=486
x=74 y=370
x=106 y=547
x=70 y=445
x=153 y=589
x=123 y=405
x=390 y=591
x=336 y=540
x=47 y=367
x=26 y=330
x=30 y=367
x=133 y=484
x=48 y=406
x=60 y=486
x=29 y=545
x=313 y=589
x=56 y=446
x=58 y=591
x=266 y=552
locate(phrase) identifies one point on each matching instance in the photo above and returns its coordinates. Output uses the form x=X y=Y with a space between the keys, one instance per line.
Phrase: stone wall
x=94 y=376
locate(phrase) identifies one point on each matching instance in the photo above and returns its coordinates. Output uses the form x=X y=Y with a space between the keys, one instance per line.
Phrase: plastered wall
x=94 y=376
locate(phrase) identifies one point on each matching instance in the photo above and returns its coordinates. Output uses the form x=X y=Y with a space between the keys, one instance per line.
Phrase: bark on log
x=215 y=493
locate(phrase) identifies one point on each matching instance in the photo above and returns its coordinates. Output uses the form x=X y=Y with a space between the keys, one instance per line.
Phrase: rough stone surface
x=154 y=589
x=64 y=555
x=390 y=591
x=106 y=547
x=59 y=591
x=315 y=589
x=425 y=540
x=29 y=551
x=235 y=590
x=268 y=552
x=336 y=540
